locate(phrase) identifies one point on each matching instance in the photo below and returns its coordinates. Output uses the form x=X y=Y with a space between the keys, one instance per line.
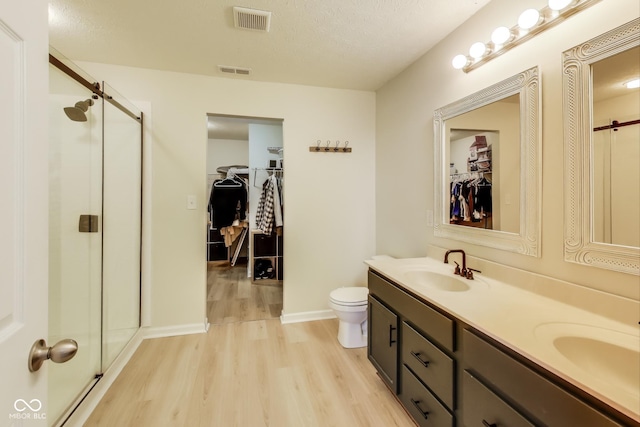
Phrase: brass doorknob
x=60 y=352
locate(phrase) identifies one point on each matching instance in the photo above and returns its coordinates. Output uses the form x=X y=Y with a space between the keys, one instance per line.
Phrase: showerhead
x=77 y=112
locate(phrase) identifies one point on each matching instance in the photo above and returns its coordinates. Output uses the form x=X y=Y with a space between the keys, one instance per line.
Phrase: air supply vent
x=234 y=70
x=251 y=19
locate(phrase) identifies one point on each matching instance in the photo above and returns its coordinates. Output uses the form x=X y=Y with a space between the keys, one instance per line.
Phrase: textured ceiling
x=351 y=44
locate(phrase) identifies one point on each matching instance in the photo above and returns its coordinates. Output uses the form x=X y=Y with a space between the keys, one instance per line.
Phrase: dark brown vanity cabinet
x=491 y=371
x=428 y=363
x=422 y=405
x=422 y=352
x=383 y=342
x=484 y=408
x=446 y=373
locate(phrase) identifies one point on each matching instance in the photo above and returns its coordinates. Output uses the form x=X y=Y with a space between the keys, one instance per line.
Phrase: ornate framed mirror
x=601 y=151
x=491 y=138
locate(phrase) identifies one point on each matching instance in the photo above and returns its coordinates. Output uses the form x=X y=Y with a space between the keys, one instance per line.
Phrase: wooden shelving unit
x=267 y=261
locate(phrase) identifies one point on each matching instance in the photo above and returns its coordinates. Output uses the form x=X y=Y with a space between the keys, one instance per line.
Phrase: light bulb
x=477 y=50
x=459 y=61
x=559 y=4
x=529 y=19
x=633 y=84
x=500 y=35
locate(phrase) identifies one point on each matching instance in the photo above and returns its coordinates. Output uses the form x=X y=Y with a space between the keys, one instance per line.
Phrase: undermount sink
x=439 y=281
x=611 y=356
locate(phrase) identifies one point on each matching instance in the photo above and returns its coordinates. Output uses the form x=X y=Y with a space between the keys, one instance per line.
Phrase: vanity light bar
x=530 y=23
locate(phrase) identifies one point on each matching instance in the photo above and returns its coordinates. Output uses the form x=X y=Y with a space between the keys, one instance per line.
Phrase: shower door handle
x=88 y=223
x=60 y=352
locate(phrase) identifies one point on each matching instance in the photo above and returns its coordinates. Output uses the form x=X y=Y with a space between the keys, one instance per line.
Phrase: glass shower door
x=75 y=241
x=122 y=225
x=616 y=204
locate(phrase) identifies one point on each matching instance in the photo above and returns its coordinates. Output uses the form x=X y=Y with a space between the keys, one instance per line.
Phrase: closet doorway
x=245 y=251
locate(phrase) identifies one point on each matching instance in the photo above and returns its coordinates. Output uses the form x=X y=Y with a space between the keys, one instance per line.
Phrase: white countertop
x=529 y=323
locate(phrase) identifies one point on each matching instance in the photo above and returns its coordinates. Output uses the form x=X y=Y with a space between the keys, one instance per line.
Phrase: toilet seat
x=350 y=296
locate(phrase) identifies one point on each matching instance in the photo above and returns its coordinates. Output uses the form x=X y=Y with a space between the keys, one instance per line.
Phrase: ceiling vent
x=234 y=70
x=251 y=19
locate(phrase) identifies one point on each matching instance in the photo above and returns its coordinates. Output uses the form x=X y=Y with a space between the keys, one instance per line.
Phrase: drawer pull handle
x=391 y=340
x=486 y=424
x=424 y=363
x=416 y=403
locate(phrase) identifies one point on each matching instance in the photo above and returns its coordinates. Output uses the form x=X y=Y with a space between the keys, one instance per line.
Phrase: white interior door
x=23 y=208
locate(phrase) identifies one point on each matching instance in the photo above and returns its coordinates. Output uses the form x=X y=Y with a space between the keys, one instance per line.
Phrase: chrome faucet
x=462 y=272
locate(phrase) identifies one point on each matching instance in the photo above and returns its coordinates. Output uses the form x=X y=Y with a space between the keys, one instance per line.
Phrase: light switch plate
x=191 y=202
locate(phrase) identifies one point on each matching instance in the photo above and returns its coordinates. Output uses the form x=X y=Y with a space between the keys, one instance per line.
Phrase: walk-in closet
x=245 y=227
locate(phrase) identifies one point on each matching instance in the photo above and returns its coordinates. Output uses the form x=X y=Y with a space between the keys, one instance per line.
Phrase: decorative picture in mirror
x=602 y=150
x=487 y=166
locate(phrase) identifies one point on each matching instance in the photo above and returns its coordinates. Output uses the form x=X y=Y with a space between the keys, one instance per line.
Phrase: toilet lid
x=356 y=295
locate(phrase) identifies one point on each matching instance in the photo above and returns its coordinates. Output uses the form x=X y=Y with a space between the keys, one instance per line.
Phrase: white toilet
x=350 y=306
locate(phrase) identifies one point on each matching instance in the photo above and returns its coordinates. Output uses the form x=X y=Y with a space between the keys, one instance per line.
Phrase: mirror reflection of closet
x=244 y=244
x=470 y=176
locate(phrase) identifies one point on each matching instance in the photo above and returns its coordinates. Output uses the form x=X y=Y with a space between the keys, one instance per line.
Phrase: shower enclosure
x=95 y=170
x=616 y=203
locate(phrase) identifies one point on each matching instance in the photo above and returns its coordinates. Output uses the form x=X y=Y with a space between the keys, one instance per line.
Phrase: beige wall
x=404 y=137
x=225 y=152
x=329 y=217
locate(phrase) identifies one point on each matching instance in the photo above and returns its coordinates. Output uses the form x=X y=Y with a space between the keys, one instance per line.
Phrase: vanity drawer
x=540 y=399
x=420 y=403
x=438 y=326
x=483 y=408
x=433 y=367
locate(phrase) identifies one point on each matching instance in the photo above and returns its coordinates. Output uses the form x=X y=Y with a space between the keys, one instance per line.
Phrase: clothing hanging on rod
x=269 y=212
x=470 y=199
x=227 y=202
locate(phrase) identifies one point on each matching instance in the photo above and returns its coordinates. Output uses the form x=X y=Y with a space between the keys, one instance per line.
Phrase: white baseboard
x=91 y=400
x=171 y=331
x=307 y=316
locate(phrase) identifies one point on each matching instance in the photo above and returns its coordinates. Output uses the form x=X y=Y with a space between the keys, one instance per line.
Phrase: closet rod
x=277 y=171
x=615 y=125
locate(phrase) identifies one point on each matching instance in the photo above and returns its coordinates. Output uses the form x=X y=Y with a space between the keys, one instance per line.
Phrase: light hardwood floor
x=232 y=297
x=250 y=374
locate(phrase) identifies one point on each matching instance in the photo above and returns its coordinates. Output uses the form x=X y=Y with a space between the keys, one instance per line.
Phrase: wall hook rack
x=327 y=148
